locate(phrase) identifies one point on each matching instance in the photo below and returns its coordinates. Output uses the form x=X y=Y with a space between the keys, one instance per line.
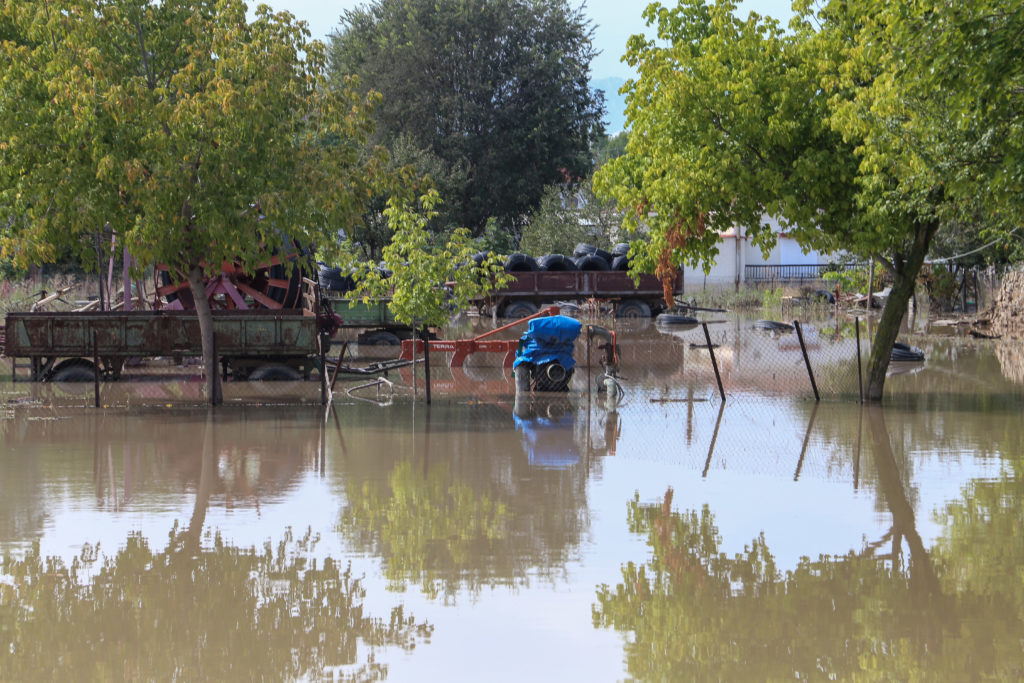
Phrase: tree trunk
x=922 y=571
x=895 y=308
x=205 y=315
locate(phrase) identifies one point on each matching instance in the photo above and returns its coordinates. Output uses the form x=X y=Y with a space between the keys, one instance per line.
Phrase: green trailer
x=375 y=322
x=72 y=345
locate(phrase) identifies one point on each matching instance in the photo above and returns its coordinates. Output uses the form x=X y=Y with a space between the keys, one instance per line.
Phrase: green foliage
x=610 y=147
x=771 y=299
x=570 y=214
x=867 y=126
x=851 y=279
x=426 y=281
x=496 y=90
x=198 y=136
x=215 y=613
x=496 y=240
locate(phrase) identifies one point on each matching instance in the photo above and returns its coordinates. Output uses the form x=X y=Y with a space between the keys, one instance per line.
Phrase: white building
x=740 y=262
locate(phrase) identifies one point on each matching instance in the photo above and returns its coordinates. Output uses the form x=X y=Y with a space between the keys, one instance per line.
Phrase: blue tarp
x=551 y=338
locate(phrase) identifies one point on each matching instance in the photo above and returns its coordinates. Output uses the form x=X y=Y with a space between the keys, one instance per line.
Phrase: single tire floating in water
x=905 y=352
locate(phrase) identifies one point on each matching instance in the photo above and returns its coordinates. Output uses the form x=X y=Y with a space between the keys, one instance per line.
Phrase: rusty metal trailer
x=530 y=291
x=70 y=346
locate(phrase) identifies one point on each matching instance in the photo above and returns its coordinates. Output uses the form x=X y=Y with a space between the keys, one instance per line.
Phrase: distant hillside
x=615 y=104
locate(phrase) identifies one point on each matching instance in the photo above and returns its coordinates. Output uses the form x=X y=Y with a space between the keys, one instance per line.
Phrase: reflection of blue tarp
x=549 y=442
x=549 y=339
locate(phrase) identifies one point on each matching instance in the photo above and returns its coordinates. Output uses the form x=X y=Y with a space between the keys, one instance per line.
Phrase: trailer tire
x=620 y=262
x=519 y=309
x=557 y=263
x=591 y=262
x=333 y=280
x=633 y=309
x=583 y=249
x=275 y=372
x=520 y=263
x=379 y=338
x=73 y=370
x=773 y=326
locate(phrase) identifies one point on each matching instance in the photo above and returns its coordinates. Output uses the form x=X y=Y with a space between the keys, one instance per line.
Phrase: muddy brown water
x=665 y=536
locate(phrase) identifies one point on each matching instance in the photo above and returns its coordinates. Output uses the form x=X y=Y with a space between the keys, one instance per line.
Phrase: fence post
x=323 y=368
x=807 y=360
x=95 y=369
x=860 y=374
x=714 y=363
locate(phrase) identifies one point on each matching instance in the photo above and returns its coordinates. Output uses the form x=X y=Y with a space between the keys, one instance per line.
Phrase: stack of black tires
x=584 y=257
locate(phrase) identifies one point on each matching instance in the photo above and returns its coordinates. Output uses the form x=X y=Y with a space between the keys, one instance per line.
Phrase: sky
x=614 y=22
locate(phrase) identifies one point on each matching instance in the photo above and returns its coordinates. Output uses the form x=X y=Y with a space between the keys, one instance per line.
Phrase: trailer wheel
x=519 y=309
x=633 y=309
x=379 y=338
x=73 y=370
x=274 y=372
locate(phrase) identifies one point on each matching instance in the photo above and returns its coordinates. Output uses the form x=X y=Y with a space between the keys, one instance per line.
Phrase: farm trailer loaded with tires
x=528 y=292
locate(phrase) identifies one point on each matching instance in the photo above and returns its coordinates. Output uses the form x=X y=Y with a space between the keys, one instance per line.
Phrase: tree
x=198 y=137
x=832 y=127
x=568 y=214
x=424 y=280
x=496 y=89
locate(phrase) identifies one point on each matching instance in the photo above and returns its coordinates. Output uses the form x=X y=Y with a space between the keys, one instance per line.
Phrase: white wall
x=728 y=268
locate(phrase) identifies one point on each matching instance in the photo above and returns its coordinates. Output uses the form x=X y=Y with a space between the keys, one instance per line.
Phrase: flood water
x=665 y=536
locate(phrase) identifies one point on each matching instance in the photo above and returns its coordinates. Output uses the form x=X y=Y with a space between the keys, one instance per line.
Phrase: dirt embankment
x=1006 y=315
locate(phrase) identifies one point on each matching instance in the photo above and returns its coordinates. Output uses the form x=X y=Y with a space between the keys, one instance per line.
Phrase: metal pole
x=426 y=365
x=860 y=377
x=323 y=370
x=807 y=360
x=714 y=363
x=95 y=369
x=588 y=372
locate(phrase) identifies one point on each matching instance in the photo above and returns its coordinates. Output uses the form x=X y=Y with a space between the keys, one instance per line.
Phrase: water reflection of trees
x=693 y=613
x=194 y=610
x=213 y=613
x=449 y=503
x=141 y=455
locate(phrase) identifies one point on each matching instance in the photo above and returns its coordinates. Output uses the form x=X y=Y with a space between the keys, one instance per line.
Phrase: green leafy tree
x=426 y=281
x=196 y=136
x=497 y=90
x=570 y=214
x=843 y=127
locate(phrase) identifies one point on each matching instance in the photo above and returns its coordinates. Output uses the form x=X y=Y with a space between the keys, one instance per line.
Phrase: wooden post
x=807 y=360
x=714 y=363
x=871 y=282
x=337 y=367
